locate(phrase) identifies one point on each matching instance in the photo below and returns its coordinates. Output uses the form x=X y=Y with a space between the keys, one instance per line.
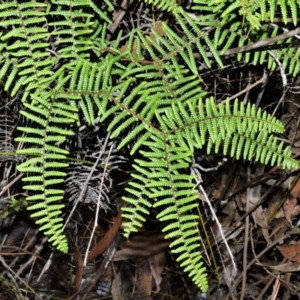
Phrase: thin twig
x=17 y=276
x=282 y=73
x=248 y=88
x=84 y=187
x=201 y=189
x=11 y=183
x=262 y=88
x=98 y=204
x=263 y=43
x=294 y=230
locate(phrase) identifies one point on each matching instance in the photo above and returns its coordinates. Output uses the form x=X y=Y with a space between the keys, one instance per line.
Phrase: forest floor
x=256 y=206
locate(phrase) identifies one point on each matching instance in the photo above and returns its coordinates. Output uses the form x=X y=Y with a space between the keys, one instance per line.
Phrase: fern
x=43 y=170
x=151 y=87
x=231 y=19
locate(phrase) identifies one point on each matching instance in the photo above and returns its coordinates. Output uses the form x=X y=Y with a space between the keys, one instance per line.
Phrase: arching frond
x=147 y=87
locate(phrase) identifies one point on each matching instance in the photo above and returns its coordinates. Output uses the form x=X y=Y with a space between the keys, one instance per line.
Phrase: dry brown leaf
x=78 y=269
x=279 y=230
x=290 y=251
x=117 y=287
x=288 y=267
x=157 y=263
x=288 y=209
x=143 y=283
x=218 y=192
x=229 y=274
x=107 y=239
x=274 y=210
x=290 y=204
x=259 y=214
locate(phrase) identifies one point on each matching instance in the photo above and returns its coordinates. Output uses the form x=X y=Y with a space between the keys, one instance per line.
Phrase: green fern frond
x=253 y=13
x=50 y=158
x=243 y=130
x=147 y=87
x=139 y=205
x=28 y=38
x=257 y=11
x=172 y=191
x=208 y=124
x=167 y=5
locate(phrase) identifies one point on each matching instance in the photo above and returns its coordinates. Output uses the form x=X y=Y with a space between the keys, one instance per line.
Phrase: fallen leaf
x=286 y=268
x=117 y=288
x=288 y=209
x=143 y=283
x=218 y=192
x=107 y=239
x=230 y=274
x=259 y=213
x=78 y=269
x=291 y=251
x=291 y=202
x=157 y=263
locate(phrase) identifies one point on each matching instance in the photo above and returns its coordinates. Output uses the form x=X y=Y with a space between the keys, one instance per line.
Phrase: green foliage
x=152 y=89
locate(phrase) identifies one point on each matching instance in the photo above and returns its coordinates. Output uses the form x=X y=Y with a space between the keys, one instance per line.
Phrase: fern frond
x=46 y=164
x=172 y=191
x=167 y=5
x=256 y=11
x=147 y=87
x=27 y=38
x=208 y=124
